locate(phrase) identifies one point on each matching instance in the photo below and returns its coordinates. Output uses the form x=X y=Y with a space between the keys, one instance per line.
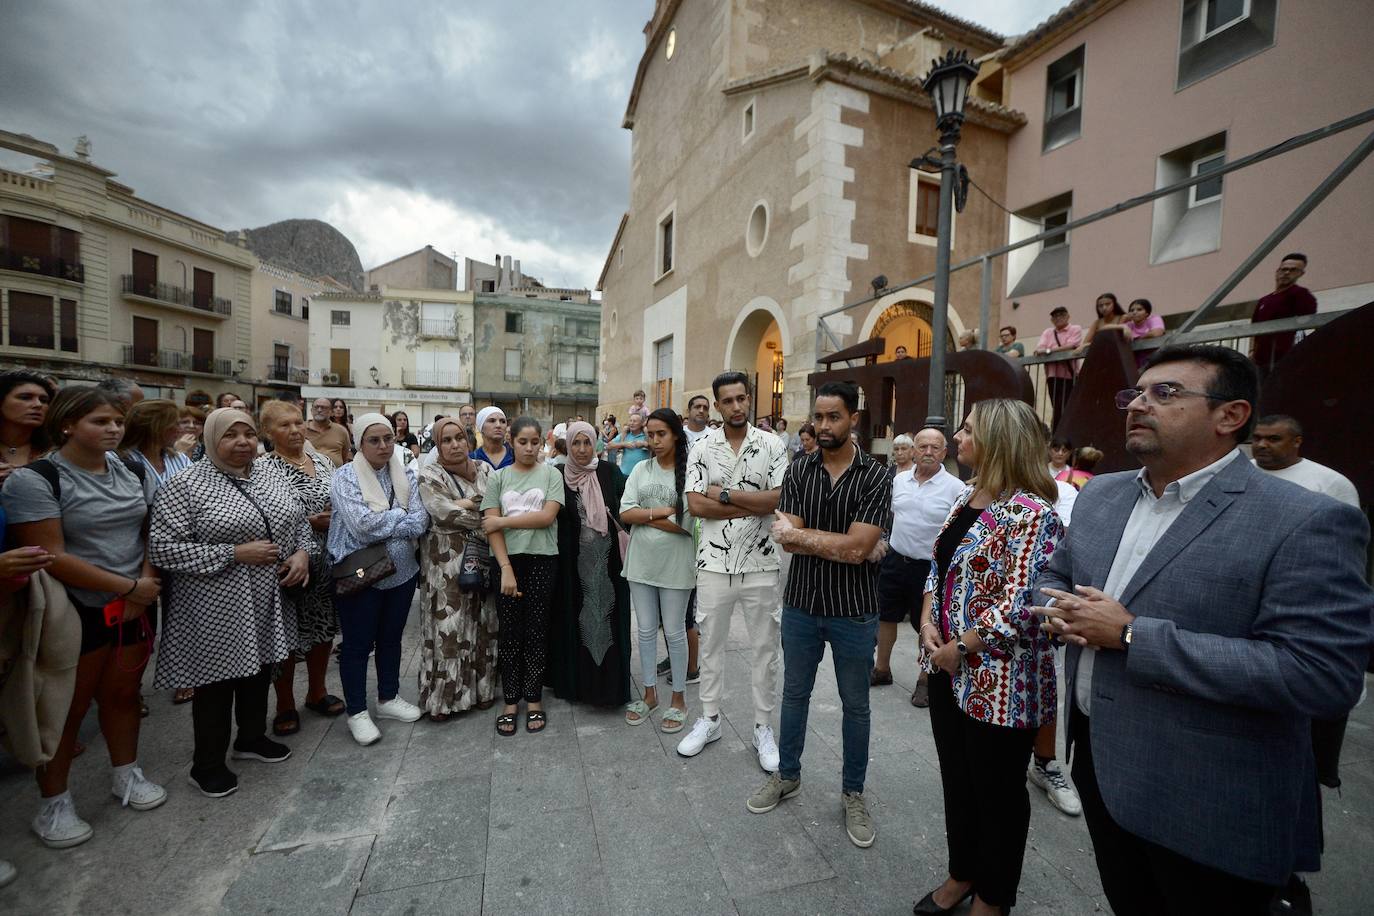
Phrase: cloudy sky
x=478 y=128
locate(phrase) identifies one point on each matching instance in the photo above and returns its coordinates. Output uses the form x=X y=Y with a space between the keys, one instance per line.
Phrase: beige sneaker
x=773 y=791
x=857 y=822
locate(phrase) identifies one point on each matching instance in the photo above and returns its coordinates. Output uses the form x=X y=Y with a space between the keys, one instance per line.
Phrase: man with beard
x=1211 y=613
x=921 y=500
x=733 y=481
x=835 y=505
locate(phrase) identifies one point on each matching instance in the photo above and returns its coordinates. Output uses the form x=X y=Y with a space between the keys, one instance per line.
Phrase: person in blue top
x=632 y=445
x=491 y=430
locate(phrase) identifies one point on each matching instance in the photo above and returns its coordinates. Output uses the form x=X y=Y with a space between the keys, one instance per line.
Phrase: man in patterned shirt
x=734 y=478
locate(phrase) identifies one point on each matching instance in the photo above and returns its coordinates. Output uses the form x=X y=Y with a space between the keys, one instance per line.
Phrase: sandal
x=438 y=716
x=487 y=704
x=673 y=720
x=533 y=717
x=328 y=706
x=286 y=723
x=640 y=710
x=183 y=695
x=504 y=721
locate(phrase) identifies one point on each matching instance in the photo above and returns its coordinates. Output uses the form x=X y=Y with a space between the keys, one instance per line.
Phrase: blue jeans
x=373 y=618
x=651 y=604
x=852 y=641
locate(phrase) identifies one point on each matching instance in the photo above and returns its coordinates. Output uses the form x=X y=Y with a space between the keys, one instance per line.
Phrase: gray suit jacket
x=1252 y=618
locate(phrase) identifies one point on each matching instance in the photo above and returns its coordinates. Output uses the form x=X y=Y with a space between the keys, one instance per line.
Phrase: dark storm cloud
x=245 y=113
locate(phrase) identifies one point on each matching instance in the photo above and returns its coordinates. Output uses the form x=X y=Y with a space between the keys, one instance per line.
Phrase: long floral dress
x=316 y=619
x=458 y=630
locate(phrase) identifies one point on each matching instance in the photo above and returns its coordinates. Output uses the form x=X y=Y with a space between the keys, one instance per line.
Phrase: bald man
x=329 y=438
x=921 y=501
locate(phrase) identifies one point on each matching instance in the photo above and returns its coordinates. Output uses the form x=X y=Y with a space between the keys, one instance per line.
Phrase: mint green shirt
x=657 y=557
x=515 y=492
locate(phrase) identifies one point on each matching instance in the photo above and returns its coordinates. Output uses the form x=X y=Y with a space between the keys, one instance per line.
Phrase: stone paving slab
x=592 y=816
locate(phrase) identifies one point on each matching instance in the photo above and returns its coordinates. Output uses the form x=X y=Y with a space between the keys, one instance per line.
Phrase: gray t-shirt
x=102 y=515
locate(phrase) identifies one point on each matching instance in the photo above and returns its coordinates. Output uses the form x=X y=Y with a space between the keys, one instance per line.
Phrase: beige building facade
x=1125 y=96
x=770 y=183
x=423 y=269
x=537 y=354
x=393 y=349
x=281 y=326
x=95 y=281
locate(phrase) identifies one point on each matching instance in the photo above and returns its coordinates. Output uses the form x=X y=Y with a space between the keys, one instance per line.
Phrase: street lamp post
x=947 y=83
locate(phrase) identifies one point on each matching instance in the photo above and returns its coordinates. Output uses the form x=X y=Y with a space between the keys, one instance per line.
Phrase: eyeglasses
x=1160 y=393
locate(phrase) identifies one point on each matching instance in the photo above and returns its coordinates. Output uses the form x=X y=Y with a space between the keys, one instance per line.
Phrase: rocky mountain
x=308 y=246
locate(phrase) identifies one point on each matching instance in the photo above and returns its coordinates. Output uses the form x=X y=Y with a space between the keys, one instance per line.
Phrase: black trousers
x=1059 y=389
x=242 y=699
x=987 y=807
x=523 y=650
x=1140 y=877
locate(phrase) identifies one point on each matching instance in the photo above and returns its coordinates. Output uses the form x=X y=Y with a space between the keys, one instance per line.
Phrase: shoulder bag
x=363 y=568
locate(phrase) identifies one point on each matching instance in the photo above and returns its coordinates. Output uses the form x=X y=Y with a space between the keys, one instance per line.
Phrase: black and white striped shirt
x=826 y=588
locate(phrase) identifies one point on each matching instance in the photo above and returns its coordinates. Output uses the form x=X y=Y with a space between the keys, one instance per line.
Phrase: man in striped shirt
x=835 y=504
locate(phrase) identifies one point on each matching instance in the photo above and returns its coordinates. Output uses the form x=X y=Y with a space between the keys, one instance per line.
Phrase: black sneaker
x=216 y=784
x=261 y=748
x=694 y=677
x=665 y=667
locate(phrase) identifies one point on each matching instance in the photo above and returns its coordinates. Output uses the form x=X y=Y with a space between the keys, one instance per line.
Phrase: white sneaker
x=704 y=731
x=1057 y=788
x=399 y=709
x=767 y=747
x=362 y=729
x=134 y=790
x=57 y=824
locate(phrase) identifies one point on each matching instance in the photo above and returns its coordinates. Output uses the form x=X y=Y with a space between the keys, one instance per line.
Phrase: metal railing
x=177 y=360
x=438 y=327
x=421 y=378
x=280 y=371
x=43 y=264
x=175 y=295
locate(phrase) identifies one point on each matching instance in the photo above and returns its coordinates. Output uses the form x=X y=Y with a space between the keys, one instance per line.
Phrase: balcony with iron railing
x=43 y=264
x=177 y=360
x=144 y=290
x=283 y=371
x=438 y=327
x=424 y=378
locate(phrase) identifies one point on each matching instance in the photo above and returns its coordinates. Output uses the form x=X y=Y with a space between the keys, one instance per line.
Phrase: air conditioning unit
x=331 y=378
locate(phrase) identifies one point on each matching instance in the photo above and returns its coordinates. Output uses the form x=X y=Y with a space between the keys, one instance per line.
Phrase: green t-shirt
x=657 y=557
x=515 y=492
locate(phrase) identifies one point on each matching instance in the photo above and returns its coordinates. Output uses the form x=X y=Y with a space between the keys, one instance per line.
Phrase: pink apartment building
x=1125 y=96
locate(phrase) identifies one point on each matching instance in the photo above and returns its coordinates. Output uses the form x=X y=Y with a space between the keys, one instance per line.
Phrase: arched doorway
x=904 y=324
x=758 y=346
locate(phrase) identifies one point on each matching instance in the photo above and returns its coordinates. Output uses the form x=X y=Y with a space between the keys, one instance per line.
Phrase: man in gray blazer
x=1212 y=611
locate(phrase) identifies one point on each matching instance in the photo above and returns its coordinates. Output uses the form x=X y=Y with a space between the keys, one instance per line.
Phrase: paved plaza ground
x=591 y=817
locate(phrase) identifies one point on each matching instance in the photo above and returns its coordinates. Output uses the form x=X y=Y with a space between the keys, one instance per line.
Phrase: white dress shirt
x=919 y=510
x=1150 y=518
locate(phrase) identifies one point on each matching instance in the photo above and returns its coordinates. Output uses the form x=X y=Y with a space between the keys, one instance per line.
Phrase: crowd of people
x=1201 y=651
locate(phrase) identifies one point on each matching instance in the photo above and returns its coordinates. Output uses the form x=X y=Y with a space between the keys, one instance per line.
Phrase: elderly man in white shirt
x=921 y=501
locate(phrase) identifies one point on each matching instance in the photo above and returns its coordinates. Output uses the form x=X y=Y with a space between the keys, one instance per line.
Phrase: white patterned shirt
x=737 y=545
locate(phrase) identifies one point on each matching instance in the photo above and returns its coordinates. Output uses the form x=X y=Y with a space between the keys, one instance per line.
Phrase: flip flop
x=504 y=720
x=536 y=717
x=286 y=723
x=328 y=706
x=641 y=710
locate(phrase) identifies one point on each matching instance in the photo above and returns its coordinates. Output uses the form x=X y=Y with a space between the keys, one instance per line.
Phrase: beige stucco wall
x=1316 y=72
x=271 y=327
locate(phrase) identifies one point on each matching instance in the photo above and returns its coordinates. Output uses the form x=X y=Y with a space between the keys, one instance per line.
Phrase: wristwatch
x=963 y=649
x=725 y=497
x=1126 y=632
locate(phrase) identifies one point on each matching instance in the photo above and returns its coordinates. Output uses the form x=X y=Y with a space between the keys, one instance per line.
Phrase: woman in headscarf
x=308 y=472
x=375 y=500
x=590 y=626
x=233 y=534
x=458 y=628
x=491 y=430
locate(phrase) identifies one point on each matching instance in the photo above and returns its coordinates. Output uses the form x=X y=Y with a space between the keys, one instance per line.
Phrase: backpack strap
x=133 y=464
x=48 y=471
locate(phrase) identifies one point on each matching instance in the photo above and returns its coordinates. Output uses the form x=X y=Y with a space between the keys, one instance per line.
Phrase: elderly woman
x=590 y=627
x=458 y=629
x=233 y=534
x=491 y=433
x=308 y=473
x=376 y=502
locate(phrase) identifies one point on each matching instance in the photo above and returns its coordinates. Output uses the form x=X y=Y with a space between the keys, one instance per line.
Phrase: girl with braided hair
x=661 y=565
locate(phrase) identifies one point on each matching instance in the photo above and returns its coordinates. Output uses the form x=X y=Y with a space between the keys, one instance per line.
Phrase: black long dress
x=589 y=624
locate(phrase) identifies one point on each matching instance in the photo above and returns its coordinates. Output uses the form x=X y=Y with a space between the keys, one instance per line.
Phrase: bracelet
x=131 y=589
x=924 y=625
x=505 y=566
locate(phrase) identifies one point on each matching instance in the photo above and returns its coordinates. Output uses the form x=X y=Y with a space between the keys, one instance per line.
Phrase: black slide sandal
x=536 y=716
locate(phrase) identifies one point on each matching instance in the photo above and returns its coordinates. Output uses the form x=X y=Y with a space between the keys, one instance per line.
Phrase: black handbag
x=362 y=569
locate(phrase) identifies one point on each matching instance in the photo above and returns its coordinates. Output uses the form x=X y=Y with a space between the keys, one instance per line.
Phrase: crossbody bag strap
x=243 y=491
